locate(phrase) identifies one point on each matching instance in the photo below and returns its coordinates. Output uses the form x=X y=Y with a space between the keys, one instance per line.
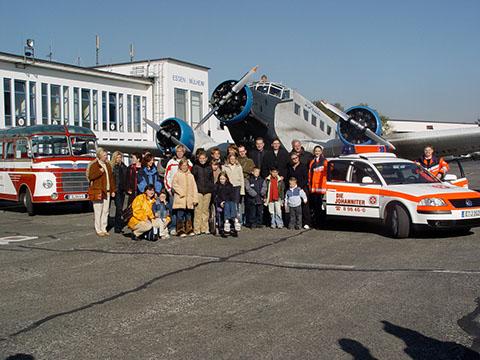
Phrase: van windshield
x=50 y=145
x=83 y=145
x=405 y=173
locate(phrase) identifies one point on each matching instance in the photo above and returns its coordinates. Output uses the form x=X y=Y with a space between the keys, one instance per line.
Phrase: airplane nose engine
x=237 y=108
x=365 y=116
x=172 y=132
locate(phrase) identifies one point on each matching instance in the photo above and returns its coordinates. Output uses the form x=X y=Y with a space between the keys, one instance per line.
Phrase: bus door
x=353 y=189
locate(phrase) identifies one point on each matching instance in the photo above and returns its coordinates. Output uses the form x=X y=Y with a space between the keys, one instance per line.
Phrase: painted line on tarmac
x=320 y=266
x=15 y=238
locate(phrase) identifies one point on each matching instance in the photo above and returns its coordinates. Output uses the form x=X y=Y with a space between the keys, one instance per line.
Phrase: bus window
x=83 y=145
x=21 y=149
x=9 y=150
x=50 y=145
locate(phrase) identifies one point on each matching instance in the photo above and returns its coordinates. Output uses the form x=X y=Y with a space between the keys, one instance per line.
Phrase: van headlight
x=47 y=184
x=432 y=202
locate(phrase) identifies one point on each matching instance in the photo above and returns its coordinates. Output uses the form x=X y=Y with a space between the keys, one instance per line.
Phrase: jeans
x=119 y=199
x=275 y=210
x=254 y=213
x=295 y=217
x=229 y=210
x=184 y=214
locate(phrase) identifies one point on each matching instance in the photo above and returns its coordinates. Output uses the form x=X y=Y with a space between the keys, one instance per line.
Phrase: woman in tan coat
x=100 y=190
x=185 y=198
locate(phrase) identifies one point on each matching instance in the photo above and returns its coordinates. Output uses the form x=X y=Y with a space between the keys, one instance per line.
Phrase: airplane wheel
x=398 y=222
x=26 y=201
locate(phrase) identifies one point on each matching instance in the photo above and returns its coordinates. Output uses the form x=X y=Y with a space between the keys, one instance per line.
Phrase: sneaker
x=273 y=226
x=306 y=227
x=105 y=233
x=206 y=232
x=100 y=234
x=197 y=233
x=280 y=226
x=193 y=234
x=183 y=235
x=173 y=232
x=226 y=227
x=166 y=237
x=237 y=225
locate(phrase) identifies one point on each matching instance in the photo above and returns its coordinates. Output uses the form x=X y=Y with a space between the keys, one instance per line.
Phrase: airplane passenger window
x=305 y=114
x=322 y=125
x=329 y=130
x=314 y=120
x=297 y=109
x=337 y=171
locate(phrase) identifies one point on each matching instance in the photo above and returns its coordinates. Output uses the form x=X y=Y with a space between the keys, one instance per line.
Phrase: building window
x=329 y=130
x=20 y=103
x=195 y=107
x=95 y=110
x=305 y=114
x=129 y=113
x=120 y=112
x=55 y=103
x=297 y=109
x=136 y=113
x=44 y=103
x=104 y=111
x=181 y=104
x=144 y=113
x=66 y=105
x=76 y=106
x=7 y=98
x=322 y=125
x=314 y=120
x=86 y=108
x=112 y=108
x=33 y=102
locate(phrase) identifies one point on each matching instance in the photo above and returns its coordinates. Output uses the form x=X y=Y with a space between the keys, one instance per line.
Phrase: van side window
x=337 y=171
x=9 y=154
x=1 y=150
x=21 y=149
x=360 y=170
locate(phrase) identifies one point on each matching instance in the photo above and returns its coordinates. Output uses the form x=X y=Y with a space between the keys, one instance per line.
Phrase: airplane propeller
x=362 y=128
x=235 y=90
x=165 y=134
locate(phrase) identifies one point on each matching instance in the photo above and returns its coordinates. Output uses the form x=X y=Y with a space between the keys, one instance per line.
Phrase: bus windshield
x=50 y=145
x=83 y=145
x=405 y=173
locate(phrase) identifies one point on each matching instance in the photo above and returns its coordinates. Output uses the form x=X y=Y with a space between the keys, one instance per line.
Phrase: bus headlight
x=432 y=202
x=47 y=184
x=54 y=196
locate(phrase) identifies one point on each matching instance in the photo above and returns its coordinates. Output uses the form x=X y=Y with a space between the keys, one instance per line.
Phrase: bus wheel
x=26 y=202
x=398 y=222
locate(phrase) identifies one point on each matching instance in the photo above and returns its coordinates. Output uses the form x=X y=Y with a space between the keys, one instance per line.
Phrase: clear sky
x=410 y=59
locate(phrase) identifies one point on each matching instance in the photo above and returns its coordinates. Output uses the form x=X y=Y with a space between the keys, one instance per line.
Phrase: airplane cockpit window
x=286 y=94
x=275 y=91
x=262 y=88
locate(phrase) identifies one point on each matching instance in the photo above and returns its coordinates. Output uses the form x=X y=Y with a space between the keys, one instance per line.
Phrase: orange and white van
x=398 y=192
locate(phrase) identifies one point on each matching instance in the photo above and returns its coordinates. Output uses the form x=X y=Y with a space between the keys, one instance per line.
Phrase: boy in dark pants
x=253 y=199
x=293 y=203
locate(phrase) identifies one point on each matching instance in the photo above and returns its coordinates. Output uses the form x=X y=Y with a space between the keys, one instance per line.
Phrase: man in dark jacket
x=258 y=153
x=254 y=199
x=300 y=172
x=305 y=156
x=275 y=158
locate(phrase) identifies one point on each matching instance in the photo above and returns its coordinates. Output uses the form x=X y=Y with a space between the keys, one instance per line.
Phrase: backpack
x=127 y=213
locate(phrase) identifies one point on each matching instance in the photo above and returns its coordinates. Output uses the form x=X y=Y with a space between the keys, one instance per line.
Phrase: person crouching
x=185 y=198
x=162 y=215
x=143 y=219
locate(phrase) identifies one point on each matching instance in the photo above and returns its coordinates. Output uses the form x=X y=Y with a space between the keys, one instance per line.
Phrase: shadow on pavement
x=417 y=346
x=20 y=357
x=49 y=209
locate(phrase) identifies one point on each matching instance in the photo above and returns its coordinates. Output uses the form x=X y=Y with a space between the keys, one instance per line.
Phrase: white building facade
x=111 y=100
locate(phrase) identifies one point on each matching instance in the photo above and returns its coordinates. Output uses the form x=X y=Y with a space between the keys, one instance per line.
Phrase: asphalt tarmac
x=343 y=292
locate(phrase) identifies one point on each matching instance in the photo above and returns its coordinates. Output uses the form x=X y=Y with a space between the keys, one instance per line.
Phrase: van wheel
x=398 y=222
x=26 y=202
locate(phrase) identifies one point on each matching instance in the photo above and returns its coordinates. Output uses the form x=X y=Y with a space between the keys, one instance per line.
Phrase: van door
x=354 y=190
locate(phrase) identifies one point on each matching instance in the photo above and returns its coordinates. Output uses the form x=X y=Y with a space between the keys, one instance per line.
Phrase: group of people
x=182 y=197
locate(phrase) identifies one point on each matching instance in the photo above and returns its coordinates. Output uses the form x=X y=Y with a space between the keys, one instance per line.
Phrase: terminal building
x=111 y=100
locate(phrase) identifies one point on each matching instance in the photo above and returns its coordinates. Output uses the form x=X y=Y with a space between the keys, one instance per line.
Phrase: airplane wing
x=445 y=142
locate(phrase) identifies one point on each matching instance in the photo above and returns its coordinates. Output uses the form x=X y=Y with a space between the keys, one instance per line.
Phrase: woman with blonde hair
x=101 y=189
x=185 y=198
x=119 y=170
x=235 y=174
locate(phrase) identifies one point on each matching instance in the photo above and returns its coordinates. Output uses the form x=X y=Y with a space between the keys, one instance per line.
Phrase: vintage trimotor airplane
x=272 y=110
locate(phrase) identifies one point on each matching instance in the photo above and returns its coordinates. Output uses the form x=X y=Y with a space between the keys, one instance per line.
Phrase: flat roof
x=152 y=60
x=473 y=122
x=18 y=59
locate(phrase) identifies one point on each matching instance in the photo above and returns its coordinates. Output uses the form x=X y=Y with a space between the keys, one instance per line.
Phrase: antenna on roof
x=132 y=52
x=97 y=48
x=79 y=60
x=50 y=53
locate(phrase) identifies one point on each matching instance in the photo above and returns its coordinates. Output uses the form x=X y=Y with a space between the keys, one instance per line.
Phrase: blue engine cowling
x=364 y=115
x=177 y=128
x=237 y=107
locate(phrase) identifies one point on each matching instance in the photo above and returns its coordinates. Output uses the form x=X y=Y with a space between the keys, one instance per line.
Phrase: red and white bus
x=45 y=164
